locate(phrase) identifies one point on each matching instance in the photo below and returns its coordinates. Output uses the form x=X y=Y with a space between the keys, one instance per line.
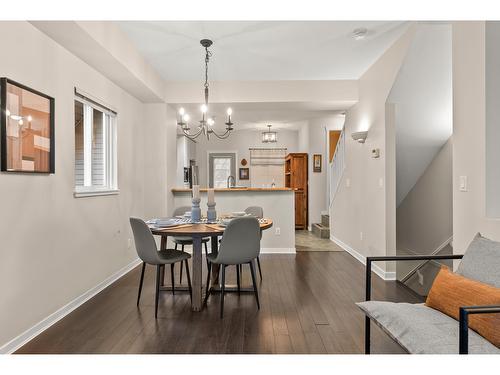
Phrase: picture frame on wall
x=27 y=129
x=244 y=173
x=317 y=163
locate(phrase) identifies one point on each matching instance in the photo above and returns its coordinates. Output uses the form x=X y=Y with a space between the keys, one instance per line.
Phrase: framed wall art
x=26 y=129
x=317 y=163
x=244 y=173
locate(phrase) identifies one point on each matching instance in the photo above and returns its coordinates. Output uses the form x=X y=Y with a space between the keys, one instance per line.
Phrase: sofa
x=419 y=329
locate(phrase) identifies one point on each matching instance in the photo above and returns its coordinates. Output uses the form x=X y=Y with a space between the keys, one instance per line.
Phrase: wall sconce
x=360 y=136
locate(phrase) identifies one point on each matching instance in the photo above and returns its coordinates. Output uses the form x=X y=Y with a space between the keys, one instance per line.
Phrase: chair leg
x=238 y=277
x=206 y=253
x=182 y=264
x=189 y=280
x=367 y=335
x=208 y=283
x=260 y=271
x=172 y=277
x=157 y=294
x=222 y=289
x=252 y=271
x=140 y=283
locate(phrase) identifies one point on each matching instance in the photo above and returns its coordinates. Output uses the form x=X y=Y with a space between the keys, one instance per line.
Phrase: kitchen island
x=278 y=204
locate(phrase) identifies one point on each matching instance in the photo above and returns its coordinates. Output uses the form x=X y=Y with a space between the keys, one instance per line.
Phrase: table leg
x=197 y=274
x=163 y=246
x=215 y=267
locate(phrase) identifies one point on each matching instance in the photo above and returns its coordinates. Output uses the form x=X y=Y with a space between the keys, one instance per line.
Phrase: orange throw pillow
x=451 y=291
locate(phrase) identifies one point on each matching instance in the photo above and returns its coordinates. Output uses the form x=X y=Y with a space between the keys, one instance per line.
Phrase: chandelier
x=269 y=136
x=206 y=126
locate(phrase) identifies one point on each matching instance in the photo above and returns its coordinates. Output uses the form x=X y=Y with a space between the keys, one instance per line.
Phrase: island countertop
x=238 y=189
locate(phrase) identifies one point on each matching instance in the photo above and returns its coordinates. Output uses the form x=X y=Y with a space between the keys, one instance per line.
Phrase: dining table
x=198 y=231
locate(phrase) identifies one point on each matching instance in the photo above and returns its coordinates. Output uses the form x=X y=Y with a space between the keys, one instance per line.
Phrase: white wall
x=424 y=217
x=492 y=119
x=422 y=94
x=469 y=135
x=56 y=247
x=359 y=214
x=240 y=141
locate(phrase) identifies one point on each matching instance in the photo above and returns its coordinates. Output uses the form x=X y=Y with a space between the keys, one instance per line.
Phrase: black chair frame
x=368 y=291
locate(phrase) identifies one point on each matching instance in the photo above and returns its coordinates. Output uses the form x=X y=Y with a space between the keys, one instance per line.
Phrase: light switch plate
x=463 y=183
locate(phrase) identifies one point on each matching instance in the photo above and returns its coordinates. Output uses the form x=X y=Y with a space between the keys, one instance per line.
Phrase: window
x=221 y=166
x=95 y=148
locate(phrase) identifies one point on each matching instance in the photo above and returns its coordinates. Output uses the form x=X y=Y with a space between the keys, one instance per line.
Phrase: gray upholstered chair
x=240 y=245
x=146 y=249
x=420 y=329
x=258 y=212
x=183 y=241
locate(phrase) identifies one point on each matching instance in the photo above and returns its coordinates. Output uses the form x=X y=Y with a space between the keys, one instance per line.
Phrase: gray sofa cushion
x=422 y=330
x=481 y=261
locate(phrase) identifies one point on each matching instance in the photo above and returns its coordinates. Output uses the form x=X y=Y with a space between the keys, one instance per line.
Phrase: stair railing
x=337 y=167
x=418 y=267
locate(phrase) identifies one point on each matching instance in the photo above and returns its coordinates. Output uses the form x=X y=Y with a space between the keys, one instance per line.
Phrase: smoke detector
x=359 y=33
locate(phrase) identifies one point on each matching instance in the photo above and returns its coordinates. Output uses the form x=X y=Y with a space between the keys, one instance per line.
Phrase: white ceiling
x=261 y=50
x=422 y=93
x=258 y=115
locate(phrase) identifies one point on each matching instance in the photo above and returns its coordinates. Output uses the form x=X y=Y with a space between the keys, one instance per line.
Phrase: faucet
x=228 y=184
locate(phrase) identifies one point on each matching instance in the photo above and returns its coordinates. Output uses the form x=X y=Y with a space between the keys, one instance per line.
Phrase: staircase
x=322 y=230
x=336 y=168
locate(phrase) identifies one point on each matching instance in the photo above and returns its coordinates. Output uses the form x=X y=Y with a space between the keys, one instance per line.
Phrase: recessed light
x=359 y=33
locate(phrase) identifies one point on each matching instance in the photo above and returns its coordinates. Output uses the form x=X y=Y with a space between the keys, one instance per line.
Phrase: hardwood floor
x=307 y=306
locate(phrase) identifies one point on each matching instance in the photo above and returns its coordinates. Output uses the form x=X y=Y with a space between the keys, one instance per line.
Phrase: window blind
x=267 y=156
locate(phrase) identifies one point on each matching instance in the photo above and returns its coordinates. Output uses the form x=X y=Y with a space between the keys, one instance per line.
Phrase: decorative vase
x=211 y=213
x=196 y=210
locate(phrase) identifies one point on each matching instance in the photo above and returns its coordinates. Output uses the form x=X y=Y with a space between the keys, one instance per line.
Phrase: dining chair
x=148 y=252
x=184 y=240
x=240 y=245
x=258 y=212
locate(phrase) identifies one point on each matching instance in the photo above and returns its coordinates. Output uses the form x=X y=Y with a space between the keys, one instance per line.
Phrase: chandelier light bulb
x=229 y=111
x=210 y=121
x=204 y=108
x=21 y=122
x=181 y=111
x=185 y=118
x=30 y=118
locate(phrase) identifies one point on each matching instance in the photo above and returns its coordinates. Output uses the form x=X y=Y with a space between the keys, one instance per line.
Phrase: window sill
x=95 y=193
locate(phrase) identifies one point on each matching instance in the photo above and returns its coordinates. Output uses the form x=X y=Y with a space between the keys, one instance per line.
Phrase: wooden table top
x=204 y=230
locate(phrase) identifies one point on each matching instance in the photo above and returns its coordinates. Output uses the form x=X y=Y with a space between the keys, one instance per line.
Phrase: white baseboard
x=277 y=250
x=385 y=275
x=53 y=318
